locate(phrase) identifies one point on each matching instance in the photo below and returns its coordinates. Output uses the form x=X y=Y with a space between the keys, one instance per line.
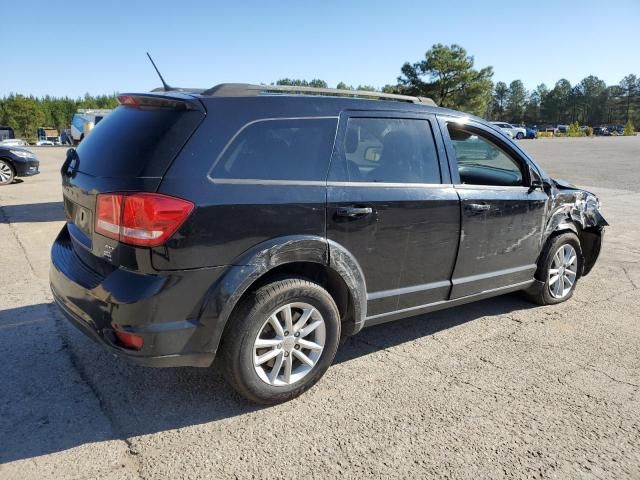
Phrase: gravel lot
x=496 y=389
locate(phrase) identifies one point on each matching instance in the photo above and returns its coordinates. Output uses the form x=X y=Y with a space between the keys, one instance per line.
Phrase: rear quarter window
x=278 y=149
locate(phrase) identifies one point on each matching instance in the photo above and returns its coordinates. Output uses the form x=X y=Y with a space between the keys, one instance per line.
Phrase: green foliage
x=516 y=101
x=446 y=74
x=23 y=115
x=629 y=130
x=26 y=114
x=500 y=93
x=316 y=83
x=574 y=130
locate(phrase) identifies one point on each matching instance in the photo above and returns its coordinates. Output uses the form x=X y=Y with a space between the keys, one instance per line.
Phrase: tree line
x=26 y=114
x=447 y=74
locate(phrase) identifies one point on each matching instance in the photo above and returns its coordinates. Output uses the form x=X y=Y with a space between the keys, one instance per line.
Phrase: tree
x=516 y=100
x=447 y=76
x=533 y=111
x=344 y=86
x=23 y=115
x=630 y=85
x=592 y=91
x=500 y=92
x=555 y=105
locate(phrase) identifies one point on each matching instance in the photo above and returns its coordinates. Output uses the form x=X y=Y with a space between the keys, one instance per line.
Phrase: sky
x=99 y=47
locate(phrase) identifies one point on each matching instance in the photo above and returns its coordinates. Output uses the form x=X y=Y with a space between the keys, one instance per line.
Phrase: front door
x=391 y=207
x=502 y=218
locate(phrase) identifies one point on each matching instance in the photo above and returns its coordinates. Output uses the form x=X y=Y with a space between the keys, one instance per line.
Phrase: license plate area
x=79 y=216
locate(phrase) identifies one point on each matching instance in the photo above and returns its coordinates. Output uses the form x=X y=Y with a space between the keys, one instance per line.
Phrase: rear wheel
x=519 y=135
x=560 y=266
x=281 y=340
x=7 y=175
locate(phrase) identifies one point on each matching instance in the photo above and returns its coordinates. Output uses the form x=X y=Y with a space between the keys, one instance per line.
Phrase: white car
x=14 y=142
x=45 y=143
x=510 y=130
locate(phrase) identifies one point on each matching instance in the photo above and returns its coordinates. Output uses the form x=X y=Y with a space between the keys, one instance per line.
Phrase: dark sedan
x=17 y=162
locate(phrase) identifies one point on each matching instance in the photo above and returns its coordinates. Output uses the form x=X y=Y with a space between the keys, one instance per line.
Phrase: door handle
x=478 y=207
x=353 y=212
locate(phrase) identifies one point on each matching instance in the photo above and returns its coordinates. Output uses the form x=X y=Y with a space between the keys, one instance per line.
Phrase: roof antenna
x=165 y=85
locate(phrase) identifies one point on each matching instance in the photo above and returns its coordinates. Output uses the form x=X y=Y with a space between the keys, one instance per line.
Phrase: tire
x=243 y=363
x=7 y=173
x=554 y=291
x=519 y=135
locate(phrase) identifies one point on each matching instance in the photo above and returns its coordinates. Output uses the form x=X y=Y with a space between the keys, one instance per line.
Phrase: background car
x=511 y=130
x=14 y=142
x=16 y=162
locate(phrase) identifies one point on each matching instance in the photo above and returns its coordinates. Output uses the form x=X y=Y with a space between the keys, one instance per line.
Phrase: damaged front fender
x=579 y=211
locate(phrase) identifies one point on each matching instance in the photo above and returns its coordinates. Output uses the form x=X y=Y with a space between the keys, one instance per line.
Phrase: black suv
x=263 y=226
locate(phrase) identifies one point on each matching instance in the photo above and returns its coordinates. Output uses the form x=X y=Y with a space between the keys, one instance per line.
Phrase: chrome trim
x=452 y=301
x=388 y=184
x=268 y=119
x=468 y=186
x=406 y=290
x=495 y=273
x=258 y=181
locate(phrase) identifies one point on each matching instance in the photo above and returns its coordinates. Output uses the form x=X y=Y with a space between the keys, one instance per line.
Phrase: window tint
x=482 y=162
x=287 y=149
x=390 y=150
x=132 y=142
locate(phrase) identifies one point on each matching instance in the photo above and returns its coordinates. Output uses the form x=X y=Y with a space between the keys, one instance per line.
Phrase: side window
x=279 y=149
x=391 y=150
x=481 y=161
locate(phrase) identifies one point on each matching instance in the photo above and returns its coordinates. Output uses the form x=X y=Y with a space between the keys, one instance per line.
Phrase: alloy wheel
x=289 y=344
x=563 y=271
x=5 y=172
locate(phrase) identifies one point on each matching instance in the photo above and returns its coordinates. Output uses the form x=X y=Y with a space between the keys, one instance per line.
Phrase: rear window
x=136 y=142
x=279 y=149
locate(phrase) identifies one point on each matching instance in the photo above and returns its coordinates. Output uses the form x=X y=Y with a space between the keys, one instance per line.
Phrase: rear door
x=129 y=150
x=392 y=205
x=502 y=217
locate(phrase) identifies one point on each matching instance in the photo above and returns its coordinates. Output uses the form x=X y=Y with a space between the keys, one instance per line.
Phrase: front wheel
x=559 y=267
x=7 y=175
x=280 y=341
x=519 y=135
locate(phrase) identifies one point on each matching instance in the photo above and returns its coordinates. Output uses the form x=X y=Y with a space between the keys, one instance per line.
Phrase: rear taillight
x=143 y=219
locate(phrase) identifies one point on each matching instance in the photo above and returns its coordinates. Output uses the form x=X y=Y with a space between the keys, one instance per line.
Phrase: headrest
x=351 y=142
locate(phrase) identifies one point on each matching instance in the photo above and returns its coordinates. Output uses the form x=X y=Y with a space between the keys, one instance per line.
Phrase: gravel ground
x=496 y=389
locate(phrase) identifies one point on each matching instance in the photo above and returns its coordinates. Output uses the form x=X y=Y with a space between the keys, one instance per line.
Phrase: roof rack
x=248 y=90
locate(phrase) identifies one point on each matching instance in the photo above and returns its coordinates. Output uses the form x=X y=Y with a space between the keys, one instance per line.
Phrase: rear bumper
x=156 y=307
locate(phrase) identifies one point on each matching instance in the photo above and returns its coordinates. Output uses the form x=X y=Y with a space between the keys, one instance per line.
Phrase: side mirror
x=536 y=184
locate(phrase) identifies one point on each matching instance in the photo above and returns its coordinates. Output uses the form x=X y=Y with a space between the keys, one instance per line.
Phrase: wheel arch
x=590 y=239
x=309 y=257
x=11 y=164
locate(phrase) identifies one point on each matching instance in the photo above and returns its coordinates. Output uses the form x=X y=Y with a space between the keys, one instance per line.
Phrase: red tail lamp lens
x=142 y=219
